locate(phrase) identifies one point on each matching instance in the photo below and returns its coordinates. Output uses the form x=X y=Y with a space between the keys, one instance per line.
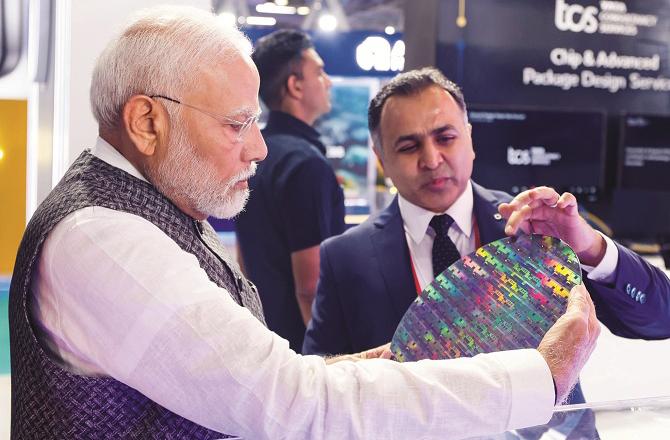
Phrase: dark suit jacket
x=366 y=284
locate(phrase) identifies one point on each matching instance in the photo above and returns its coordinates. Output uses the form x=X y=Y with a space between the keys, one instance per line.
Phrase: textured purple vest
x=50 y=402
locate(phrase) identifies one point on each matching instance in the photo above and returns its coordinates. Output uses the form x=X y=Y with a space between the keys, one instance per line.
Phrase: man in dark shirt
x=296 y=201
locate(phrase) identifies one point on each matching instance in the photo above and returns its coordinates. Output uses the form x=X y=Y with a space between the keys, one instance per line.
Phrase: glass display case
x=647 y=419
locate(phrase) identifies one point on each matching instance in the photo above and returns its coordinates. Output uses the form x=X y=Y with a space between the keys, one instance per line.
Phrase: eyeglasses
x=240 y=127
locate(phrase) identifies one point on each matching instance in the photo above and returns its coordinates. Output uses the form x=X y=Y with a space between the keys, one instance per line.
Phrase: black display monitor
x=641 y=201
x=519 y=148
x=644 y=153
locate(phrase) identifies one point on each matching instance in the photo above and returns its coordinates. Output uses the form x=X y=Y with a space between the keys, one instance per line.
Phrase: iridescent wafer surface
x=503 y=296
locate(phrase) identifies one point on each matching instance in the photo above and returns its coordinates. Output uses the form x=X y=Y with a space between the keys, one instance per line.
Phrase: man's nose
x=256 y=149
x=431 y=156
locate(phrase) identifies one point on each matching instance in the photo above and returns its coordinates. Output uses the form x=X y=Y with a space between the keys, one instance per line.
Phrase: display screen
x=644 y=159
x=344 y=131
x=517 y=149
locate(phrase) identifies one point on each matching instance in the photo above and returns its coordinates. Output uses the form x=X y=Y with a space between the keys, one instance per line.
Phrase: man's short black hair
x=278 y=56
x=406 y=84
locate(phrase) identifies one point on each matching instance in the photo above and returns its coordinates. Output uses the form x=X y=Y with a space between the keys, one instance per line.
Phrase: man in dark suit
x=371 y=274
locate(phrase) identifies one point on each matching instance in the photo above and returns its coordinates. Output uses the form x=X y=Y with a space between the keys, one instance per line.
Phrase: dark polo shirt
x=295 y=203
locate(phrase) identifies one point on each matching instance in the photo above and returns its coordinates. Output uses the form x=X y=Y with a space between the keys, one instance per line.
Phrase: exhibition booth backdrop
x=575 y=94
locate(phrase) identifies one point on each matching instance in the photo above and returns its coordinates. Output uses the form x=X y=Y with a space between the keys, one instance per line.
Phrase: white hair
x=157 y=53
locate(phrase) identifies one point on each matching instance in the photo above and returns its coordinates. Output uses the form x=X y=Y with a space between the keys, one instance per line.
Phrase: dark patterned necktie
x=444 y=250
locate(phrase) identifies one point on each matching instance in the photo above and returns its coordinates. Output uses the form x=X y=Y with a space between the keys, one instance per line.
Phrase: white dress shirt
x=420 y=236
x=115 y=296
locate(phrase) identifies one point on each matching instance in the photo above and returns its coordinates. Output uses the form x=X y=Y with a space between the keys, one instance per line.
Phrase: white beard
x=184 y=175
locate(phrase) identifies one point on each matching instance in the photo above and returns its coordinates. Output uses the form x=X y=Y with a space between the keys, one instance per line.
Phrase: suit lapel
x=393 y=260
x=490 y=222
x=392 y=254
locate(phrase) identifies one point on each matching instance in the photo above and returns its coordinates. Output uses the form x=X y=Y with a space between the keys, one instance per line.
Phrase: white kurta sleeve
x=118 y=297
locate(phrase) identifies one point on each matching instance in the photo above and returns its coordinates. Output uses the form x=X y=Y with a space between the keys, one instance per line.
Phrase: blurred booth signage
x=376 y=53
x=607 y=54
x=355 y=53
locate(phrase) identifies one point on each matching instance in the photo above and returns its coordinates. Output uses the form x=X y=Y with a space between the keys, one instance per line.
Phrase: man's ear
x=474 y=154
x=375 y=136
x=145 y=122
x=294 y=87
x=378 y=153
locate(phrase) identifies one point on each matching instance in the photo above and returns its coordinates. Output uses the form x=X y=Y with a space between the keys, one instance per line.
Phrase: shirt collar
x=417 y=219
x=105 y=152
x=280 y=122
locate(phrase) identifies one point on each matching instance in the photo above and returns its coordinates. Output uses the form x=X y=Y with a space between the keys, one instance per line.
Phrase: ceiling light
x=281 y=2
x=390 y=30
x=261 y=21
x=272 y=8
x=303 y=10
x=228 y=17
x=327 y=22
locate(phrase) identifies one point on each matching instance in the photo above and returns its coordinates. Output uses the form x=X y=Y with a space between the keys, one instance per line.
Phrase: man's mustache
x=244 y=174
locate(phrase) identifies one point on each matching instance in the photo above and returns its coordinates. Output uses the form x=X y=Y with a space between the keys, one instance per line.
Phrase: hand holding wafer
x=568 y=344
x=543 y=211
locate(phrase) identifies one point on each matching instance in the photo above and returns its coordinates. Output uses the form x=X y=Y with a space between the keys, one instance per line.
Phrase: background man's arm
x=240 y=260
x=310 y=212
x=305 y=266
x=327 y=332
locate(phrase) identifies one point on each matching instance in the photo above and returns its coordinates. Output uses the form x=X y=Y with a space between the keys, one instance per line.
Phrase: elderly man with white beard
x=129 y=320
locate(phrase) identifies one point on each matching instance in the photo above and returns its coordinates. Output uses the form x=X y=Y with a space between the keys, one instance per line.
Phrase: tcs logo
x=518 y=156
x=576 y=18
